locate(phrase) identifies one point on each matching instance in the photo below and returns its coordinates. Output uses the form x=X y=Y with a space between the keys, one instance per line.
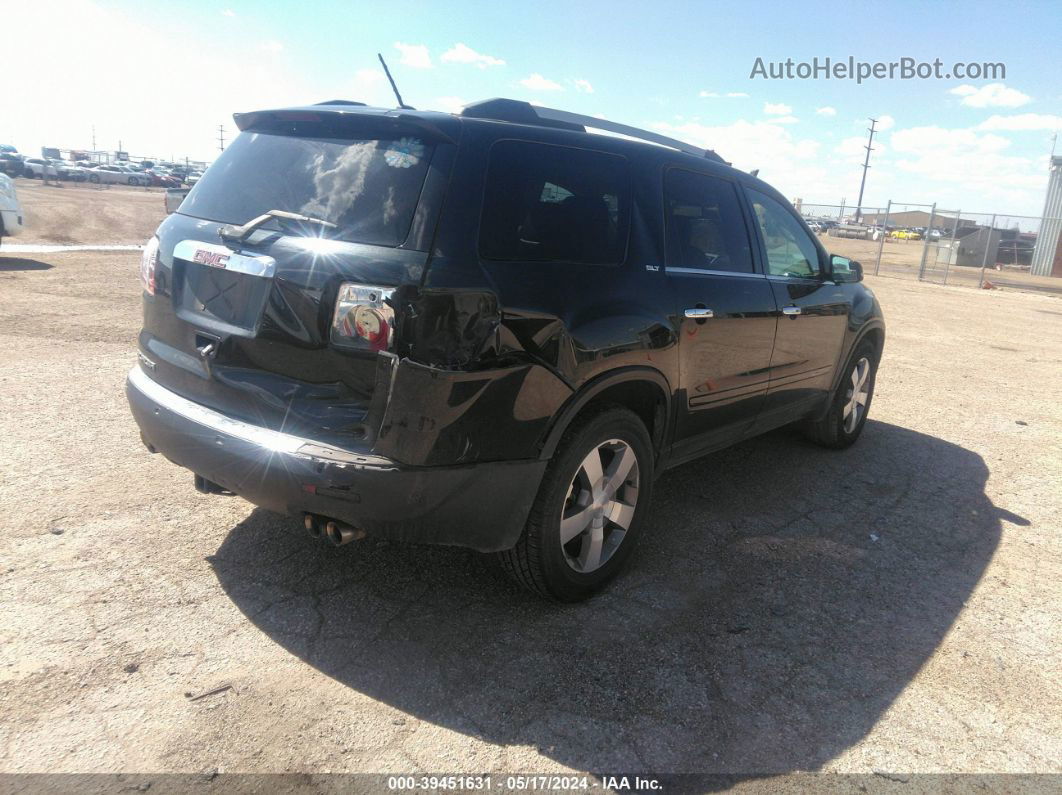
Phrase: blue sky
x=162 y=76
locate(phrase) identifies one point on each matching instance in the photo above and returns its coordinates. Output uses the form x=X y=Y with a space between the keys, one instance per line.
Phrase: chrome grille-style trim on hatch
x=221 y=257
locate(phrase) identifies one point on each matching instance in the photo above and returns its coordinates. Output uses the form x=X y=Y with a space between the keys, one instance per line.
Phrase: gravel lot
x=892 y=607
x=81 y=212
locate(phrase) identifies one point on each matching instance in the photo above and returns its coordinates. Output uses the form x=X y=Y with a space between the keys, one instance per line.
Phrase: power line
x=866 y=165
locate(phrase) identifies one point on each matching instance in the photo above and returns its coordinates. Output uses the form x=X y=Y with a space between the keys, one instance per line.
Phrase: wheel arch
x=643 y=390
x=873 y=330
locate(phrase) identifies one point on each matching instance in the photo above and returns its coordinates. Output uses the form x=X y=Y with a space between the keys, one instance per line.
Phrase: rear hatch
x=304 y=209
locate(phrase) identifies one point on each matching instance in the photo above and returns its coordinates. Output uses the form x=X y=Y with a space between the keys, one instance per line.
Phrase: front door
x=813 y=313
x=726 y=312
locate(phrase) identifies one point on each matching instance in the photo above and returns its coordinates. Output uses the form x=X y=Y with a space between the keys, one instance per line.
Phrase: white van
x=10 y=209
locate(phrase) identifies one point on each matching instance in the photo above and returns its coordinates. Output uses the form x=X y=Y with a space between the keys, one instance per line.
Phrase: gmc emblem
x=211 y=258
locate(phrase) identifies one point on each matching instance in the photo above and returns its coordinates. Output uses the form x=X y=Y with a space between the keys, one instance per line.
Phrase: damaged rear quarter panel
x=438 y=416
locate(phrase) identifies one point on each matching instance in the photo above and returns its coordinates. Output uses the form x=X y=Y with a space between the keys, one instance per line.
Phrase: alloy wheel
x=856 y=397
x=600 y=505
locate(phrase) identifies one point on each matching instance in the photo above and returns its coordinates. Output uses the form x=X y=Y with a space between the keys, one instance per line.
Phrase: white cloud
x=462 y=53
x=777 y=109
x=826 y=110
x=64 y=115
x=969 y=169
x=228 y=12
x=537 y=82
x=993 y=95
x=727 y=95
x=1022 y=121
x=371 y=87
x=415 y=55
x=584 y=86
x=854 y=147
x=885 y=122
x=272 y=46
x=787 y=162
x=449 y=104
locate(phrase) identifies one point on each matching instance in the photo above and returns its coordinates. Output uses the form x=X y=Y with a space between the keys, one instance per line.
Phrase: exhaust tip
x=314 y=526
x=340 y=534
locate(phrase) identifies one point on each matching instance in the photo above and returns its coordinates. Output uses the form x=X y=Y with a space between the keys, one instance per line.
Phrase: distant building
x=917 y=218
x=1047 y=256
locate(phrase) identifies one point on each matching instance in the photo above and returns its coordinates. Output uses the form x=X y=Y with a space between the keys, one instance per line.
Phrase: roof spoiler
x=519 y=112
x=342 y=117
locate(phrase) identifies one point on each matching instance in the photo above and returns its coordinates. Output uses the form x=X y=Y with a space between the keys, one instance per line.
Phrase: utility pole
x=866 y=165
x=221 y=137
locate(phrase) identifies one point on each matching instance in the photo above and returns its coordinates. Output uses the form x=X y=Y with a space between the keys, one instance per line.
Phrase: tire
x=94 y=178
x=563 y=571
x=837 y=429
x=133 y=181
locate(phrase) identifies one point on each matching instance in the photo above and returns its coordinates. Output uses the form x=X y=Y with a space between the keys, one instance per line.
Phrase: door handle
x=699 y=313
x=792 y=311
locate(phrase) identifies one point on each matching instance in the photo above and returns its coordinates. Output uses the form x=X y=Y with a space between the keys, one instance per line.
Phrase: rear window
x=368 y=188
x=553 y=203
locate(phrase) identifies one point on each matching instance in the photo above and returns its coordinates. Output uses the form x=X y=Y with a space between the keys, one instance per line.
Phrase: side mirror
x=174 y=197
x=845 y=270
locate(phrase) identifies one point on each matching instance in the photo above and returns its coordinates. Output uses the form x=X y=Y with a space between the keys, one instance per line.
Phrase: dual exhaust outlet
x=337 y=533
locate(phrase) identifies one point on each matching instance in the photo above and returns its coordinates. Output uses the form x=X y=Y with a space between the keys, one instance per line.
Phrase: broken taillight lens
x=364 y=317
x=148 y=260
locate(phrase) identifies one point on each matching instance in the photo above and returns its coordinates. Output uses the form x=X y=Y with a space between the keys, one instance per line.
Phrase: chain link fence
x=943 y=245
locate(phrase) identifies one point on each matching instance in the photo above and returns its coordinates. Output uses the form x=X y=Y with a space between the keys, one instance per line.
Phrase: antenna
x=394 y=88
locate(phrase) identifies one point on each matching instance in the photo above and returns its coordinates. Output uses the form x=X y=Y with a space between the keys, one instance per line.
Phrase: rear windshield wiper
x=241 y=233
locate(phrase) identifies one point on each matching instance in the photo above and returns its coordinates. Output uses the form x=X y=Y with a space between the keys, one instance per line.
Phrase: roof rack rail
x=519 y=112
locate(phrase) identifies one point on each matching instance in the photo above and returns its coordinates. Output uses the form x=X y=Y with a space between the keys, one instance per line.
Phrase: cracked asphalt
x=891 y=607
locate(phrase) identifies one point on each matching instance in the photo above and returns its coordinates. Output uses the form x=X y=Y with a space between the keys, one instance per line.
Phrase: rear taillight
x=364 y=318
x=148 y=260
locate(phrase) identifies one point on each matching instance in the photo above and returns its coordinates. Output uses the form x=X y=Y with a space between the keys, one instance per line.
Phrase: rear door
x=813 y=311
x=726 y=311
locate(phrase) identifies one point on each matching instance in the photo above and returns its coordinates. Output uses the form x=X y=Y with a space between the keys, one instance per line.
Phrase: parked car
x=471 y=338
x=160 y=177
x=37 y=167
x=12 y=164
x=10 y=209
x=112 y=174
x=906 y=234
x=71 y=170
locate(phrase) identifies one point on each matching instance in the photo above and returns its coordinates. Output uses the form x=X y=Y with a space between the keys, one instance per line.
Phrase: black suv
x=492 y=329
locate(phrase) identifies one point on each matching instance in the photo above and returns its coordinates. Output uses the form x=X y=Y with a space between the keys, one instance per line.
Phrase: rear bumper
x=482 y=506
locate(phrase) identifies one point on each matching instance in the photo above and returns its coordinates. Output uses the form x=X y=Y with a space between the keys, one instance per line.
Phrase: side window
x=705 y=228
x=790 y=251
x=550 y=203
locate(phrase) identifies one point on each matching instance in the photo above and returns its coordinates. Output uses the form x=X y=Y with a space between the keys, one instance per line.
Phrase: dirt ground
x=79 y=212
x=893 y=607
